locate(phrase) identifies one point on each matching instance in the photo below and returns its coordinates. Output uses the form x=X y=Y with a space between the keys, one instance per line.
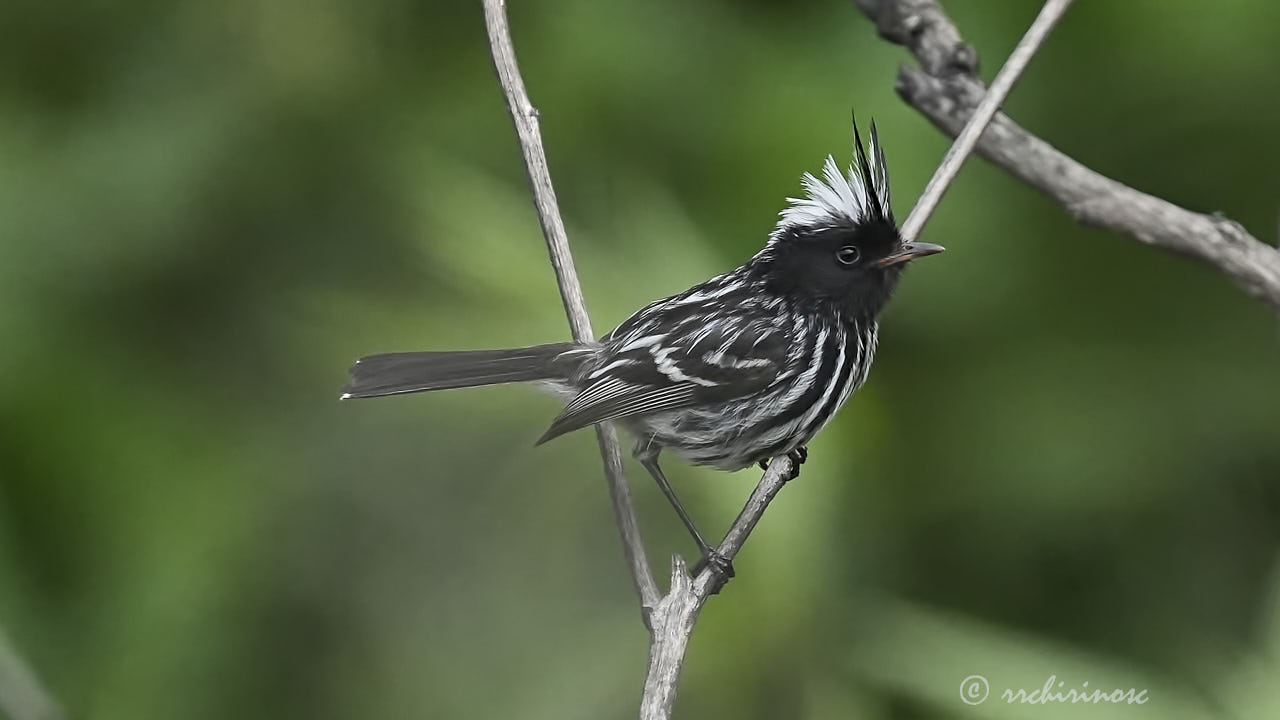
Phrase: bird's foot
x=721 y=567
x=797 y=456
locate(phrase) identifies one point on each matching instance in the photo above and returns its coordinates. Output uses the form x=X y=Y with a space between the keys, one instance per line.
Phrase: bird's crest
x=842 y=200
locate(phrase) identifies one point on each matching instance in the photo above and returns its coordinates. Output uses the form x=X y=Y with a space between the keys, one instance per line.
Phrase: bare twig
x=22 y=697
x=525 y=117
x=946 y=87
x=678 y=612
x=672 y=617
x=672 y=623
x=1000 y=87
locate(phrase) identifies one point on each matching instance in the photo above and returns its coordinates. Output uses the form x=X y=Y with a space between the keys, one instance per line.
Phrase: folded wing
x=685 y=365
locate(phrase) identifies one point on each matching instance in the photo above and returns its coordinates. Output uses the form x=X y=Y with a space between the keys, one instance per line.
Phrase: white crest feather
x=840 y=199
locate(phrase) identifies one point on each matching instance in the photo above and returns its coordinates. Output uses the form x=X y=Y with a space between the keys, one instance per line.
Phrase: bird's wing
x=671 y=365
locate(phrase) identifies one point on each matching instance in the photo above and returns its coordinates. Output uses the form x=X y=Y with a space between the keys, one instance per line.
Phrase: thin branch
x=525 y=117
x=673 y=622
x=946 y=87
x=22 y=697
x=671 y=619
x=1000 y=87
x=775 y=477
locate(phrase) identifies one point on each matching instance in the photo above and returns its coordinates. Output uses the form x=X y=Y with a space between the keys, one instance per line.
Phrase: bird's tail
x=410 y=372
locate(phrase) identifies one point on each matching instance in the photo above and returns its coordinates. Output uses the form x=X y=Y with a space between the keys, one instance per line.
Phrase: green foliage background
x=1066 y=460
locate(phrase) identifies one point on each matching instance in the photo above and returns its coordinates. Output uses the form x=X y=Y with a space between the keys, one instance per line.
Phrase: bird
x=744 y=367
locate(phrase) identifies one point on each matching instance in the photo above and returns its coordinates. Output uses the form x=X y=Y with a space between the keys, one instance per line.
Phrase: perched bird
x=744 y=367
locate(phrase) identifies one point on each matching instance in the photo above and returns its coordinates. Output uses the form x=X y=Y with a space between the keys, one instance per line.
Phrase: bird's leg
x=798 y=456
x=647 y=453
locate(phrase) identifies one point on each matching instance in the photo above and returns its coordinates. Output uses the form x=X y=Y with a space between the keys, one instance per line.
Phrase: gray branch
x=671 y=625
x=671 y=618
x=946 y=88
x=525 y=117
x=981 y=117
x=673 y=622
x=22 y=697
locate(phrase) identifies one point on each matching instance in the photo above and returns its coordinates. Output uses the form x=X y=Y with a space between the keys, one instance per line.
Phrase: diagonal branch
x=674 y=619
x=22 y=697
x=525 y=117
x=1000 y=87
x=946 y=88
x=671 y=618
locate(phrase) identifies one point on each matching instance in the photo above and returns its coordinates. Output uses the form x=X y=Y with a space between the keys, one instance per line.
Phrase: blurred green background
x=1066 y=460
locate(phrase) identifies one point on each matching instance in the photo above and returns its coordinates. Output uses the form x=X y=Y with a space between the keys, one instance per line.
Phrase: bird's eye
x=848 y=255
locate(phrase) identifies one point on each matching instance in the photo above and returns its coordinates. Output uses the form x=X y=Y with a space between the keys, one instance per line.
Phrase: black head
x=839 y=244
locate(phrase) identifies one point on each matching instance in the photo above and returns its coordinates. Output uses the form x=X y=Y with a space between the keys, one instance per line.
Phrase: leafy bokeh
x=1066 y=461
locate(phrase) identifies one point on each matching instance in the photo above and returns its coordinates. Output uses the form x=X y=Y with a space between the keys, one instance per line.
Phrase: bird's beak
x=910 y=251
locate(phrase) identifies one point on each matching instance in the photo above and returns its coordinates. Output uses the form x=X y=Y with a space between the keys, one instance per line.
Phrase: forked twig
x=673 y=623
x=968 y=137
x=946 y=87
x=671 y=618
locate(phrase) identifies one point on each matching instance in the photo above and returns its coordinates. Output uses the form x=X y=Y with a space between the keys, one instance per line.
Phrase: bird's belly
x=718 y=439
x=736 y=435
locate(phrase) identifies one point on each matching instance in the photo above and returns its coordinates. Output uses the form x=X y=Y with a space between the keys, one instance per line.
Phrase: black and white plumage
x=726 y=374
x=744 y=367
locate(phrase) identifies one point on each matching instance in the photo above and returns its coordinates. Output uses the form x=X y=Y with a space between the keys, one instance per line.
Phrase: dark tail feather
x=397 y=373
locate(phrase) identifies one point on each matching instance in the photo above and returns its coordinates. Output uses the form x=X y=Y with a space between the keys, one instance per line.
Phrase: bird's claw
x=799 y=455
x=720 y=566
